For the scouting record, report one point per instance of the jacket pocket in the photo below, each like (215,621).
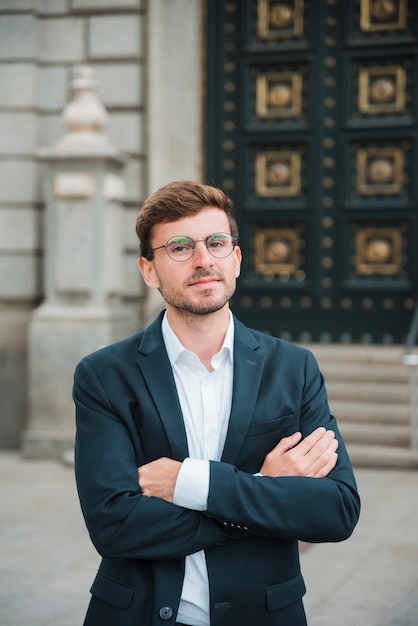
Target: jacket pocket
(274,425)
(113,591)
(283,594)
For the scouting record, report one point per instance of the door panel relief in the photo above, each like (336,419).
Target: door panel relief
(315,137)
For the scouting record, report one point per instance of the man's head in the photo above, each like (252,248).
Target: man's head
(188,247)
(174,201)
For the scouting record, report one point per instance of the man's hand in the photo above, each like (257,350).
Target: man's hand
(314,456)
(158,478)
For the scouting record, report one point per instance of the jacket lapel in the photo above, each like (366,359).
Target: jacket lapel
(248,369)
(158,376)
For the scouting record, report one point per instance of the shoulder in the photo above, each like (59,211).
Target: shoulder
(280,357)
(123,350)
(130,348)
(267,343)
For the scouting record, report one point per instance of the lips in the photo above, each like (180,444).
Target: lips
(204,280)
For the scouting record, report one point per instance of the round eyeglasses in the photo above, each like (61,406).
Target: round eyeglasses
(181,248)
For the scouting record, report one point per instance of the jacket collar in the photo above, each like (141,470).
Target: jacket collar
(248,369)
(155,367)
(156,370)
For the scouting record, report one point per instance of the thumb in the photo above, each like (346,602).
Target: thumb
(287,443)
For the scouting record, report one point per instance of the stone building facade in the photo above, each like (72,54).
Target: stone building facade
(297,109)
(150,84)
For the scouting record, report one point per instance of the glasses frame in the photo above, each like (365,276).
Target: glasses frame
(232,239)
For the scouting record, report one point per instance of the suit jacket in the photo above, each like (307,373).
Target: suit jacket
(128,414)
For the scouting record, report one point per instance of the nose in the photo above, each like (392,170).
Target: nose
(201,256)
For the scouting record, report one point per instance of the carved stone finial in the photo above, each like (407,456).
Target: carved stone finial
(84,117)
(85,113)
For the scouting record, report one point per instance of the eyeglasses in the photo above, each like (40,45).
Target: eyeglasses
(181,248)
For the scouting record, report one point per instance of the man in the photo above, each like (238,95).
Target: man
(228,431)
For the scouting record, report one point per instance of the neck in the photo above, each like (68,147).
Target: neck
(201,334)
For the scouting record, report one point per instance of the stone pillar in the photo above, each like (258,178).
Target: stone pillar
(83,307)
(175,112)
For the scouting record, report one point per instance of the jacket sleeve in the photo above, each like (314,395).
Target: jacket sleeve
(309,509)
(122,523)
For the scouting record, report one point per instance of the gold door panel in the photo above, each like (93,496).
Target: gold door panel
(315,137)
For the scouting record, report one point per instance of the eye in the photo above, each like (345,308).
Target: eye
(217,241)
(179,246)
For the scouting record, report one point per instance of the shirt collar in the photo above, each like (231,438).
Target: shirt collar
(175,348)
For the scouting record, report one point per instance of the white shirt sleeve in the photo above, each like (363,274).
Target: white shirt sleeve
(192,485)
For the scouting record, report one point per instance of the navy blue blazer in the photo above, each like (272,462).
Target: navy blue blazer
(128,413)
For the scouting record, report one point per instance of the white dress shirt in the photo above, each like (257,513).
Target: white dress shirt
(205,400)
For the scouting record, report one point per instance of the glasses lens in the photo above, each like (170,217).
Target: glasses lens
(220,245)
(180,248)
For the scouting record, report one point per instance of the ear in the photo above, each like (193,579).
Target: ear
(149,275)
(238,259)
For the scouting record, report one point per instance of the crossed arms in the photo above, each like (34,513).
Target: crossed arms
(293,499)
(315,456)
(304,492)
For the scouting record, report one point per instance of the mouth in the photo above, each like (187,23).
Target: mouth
(204,281)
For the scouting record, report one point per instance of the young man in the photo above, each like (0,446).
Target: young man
(228,431)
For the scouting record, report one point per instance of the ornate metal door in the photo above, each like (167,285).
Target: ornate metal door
(312,128)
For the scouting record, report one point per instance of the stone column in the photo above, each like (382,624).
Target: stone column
(175,105)
(83,307)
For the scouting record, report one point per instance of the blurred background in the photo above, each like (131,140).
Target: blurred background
(305,113)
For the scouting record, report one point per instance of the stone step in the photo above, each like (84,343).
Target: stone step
(365,391)
(373,372)
(357,353)
(367,412)
(368,391)
(382,456)
(372,434)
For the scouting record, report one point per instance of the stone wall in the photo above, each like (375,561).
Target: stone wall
(40,43)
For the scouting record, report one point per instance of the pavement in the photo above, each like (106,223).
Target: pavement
(47,563)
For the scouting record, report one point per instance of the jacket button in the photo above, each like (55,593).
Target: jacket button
(166,612)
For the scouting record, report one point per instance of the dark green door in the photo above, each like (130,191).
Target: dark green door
(312,129)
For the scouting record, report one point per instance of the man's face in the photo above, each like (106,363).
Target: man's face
(203,284)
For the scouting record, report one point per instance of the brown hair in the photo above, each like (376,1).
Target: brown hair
(176,200)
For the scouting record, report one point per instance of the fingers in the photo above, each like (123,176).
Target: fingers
(314,456)
(313,439)
(277,461)
(325,469)
(322,457)
(287,443)
(158,478)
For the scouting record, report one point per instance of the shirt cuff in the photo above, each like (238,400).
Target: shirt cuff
(192,485)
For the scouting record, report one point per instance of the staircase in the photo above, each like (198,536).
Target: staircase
(368,392)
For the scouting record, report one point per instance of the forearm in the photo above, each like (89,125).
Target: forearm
(122,522)
(137,527)
(297,507)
